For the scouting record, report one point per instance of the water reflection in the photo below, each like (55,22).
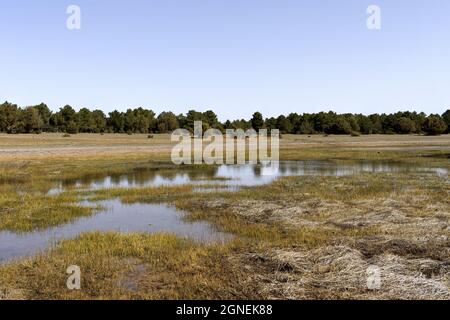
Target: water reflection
(159,217)
(147,218)
(241,175)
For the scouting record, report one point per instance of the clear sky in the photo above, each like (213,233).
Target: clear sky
(232,56)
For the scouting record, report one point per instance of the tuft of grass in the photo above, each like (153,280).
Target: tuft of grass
(27,212)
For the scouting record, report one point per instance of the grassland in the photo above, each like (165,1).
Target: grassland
(299,237)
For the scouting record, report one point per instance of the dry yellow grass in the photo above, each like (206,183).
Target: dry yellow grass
(315,237)
(118,266)
(300,237)
(88,146)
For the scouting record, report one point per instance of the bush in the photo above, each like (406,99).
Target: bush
(446,118)
(434,125)
(340,126)
(150,136)
(306,128)
(66,135)
(72,128)
(405,125)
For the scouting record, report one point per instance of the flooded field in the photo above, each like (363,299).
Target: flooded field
(235,176)
(153,218)
(306,228)
(116,216)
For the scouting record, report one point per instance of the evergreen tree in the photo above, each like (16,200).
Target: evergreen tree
(257,121)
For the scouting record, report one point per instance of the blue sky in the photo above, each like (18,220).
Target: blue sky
(233,56)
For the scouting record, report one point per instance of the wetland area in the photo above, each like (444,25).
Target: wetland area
(307,227)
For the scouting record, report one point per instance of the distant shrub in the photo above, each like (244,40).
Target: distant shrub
(341,126)
(446,118)
(72,128)
(66,135)
(150,136)
(355,134)
(405,125)
(434,125)
(306,128)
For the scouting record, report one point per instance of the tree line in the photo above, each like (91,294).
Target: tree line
(39,118)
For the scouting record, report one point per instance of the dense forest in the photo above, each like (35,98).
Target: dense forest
(39,118)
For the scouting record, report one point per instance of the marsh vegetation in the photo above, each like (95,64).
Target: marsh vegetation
(337,206)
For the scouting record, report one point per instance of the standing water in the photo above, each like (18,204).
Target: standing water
(247,175)
(151,218)
(144,218)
